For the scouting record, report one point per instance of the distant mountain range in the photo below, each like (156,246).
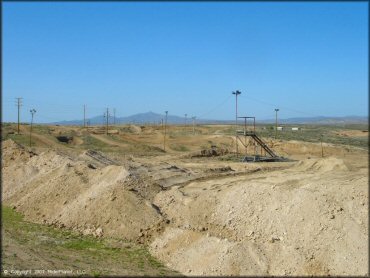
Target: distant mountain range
(141,118)
(322,120)
(154,118)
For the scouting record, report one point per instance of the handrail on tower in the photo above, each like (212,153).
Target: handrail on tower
(252,133)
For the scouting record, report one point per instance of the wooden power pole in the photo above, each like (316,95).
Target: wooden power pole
(322,149)
(84,115)
(114,116)
(193,124)
(19,104)
(107,121)
(165,127)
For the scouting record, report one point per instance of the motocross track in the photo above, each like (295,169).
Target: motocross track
(205,216)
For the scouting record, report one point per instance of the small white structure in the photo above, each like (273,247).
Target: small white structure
(280,128)
(296,128)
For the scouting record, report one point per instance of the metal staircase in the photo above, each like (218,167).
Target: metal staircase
(251,132)
(258,140)
(263,145)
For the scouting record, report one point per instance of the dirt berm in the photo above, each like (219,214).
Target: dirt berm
(308,217)
(53,189)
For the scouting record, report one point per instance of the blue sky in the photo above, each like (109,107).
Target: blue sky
(308,59)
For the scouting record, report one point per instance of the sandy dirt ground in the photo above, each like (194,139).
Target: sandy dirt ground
(353,133)
(205,216)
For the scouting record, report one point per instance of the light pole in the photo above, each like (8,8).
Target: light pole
(276,123)
(236,93)
(33,111)
(165,130)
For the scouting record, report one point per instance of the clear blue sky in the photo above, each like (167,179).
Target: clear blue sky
(308,59)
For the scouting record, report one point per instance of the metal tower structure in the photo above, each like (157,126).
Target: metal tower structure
(248,137)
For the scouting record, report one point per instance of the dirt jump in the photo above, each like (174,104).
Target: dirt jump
(201,215)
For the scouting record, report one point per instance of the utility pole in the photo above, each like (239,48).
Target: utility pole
(276,123)
(107,121)
(236,93)
(84,115)
(33,111)
(193,124)
(186,120)
(322,149)
(165,127)
(19,104)
(114,116)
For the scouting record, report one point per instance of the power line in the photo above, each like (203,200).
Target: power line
(41,116)
(61,111)
(216,107)
(284,107)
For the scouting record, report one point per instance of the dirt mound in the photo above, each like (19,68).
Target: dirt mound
(352,133)
(53,189)
(113,131)
(194,253)
(292,147)
(213,151)
(13,152)
(132,129)
(322,164)
(204,217)
(285,222)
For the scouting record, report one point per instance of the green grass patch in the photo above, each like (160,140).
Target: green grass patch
(22,139)
(41,129)
(179,148)
(66,249)
(84,243)
(9,215)
(92,143)
(316,133)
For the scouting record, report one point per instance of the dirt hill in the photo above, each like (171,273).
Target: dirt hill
(206,216)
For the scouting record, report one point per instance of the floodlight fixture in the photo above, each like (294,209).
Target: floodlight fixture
(236,93)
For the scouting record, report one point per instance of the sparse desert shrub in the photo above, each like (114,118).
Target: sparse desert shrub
(179,148)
